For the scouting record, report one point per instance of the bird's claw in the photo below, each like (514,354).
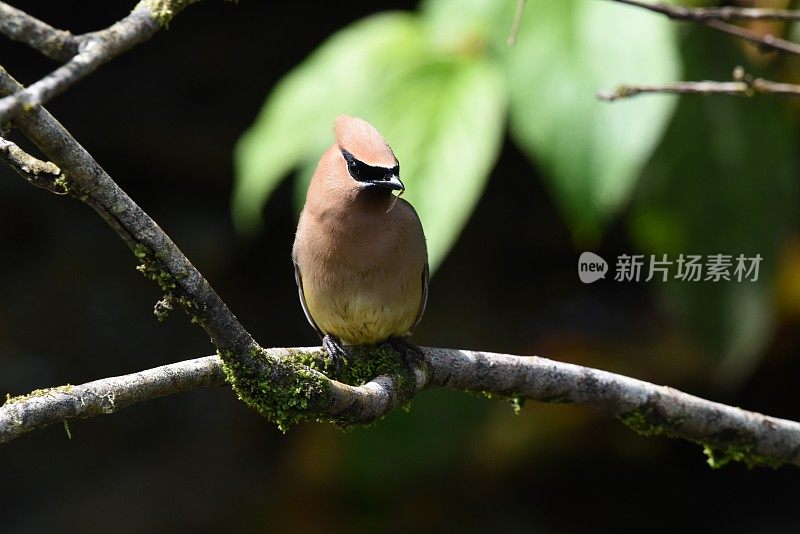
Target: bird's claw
(336,351)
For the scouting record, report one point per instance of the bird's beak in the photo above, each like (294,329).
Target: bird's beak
(393,183)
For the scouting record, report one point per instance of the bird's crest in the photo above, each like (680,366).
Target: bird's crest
(363,141)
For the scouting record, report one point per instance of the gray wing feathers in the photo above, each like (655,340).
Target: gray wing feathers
(424,300)
(299,281)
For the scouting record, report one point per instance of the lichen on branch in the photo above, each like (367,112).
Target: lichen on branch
(298,385)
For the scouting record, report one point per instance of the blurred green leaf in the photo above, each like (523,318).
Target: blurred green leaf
(462,26)
(592,152)
(440,106)
(298,115)
(447,158)
(444,121)
(724,181)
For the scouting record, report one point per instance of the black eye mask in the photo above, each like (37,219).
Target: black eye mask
(365,173)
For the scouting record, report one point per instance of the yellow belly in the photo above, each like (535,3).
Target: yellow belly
(365,318)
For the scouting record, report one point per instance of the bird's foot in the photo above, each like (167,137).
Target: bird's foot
(336,351)
(411,353)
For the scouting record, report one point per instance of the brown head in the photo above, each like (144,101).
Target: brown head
(360,162)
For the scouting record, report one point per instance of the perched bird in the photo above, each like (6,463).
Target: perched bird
(360,260)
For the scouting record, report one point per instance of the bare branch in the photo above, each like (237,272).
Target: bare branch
(648,408)
(764,42)
(700,14)
(706,17)
(683,88)
(94,49)
(54,43)
(40,173)
(744,85)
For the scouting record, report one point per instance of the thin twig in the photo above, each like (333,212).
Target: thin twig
(717,13)
(743,86)
(515,24)
(94,50)
(718,23)
(764,42)
(40,173)
(649,408)
(54,43)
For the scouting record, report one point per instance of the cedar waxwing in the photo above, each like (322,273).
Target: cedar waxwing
(360,260)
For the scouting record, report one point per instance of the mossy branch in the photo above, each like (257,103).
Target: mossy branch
(101,397)
(290,386)
(293,385)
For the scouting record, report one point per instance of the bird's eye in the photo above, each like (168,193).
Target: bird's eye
(364,173)
(352,166)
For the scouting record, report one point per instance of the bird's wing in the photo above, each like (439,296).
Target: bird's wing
(299,280)
(424,300)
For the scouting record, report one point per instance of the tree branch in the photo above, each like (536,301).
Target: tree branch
(287,384)
(54,43)
(715,18)
(162,259)
(743,85)
(46,406)
(93,49)
(648,408)
(250,368)
(700,14)
(40,173)
(757,87)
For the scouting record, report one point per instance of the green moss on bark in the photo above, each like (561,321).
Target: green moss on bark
(296,387)
(737,450)
(284,391)
(153,268)
(38,393)
(163,10)
(649,421)
(723,448)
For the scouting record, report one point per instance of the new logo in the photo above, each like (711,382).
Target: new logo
(591,267)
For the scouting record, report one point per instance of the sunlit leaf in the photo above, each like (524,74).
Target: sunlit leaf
(448,157)
(592,152)
(465,26)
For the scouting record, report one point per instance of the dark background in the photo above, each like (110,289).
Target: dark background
(162,120)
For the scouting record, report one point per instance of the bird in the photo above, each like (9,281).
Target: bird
(360,256)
